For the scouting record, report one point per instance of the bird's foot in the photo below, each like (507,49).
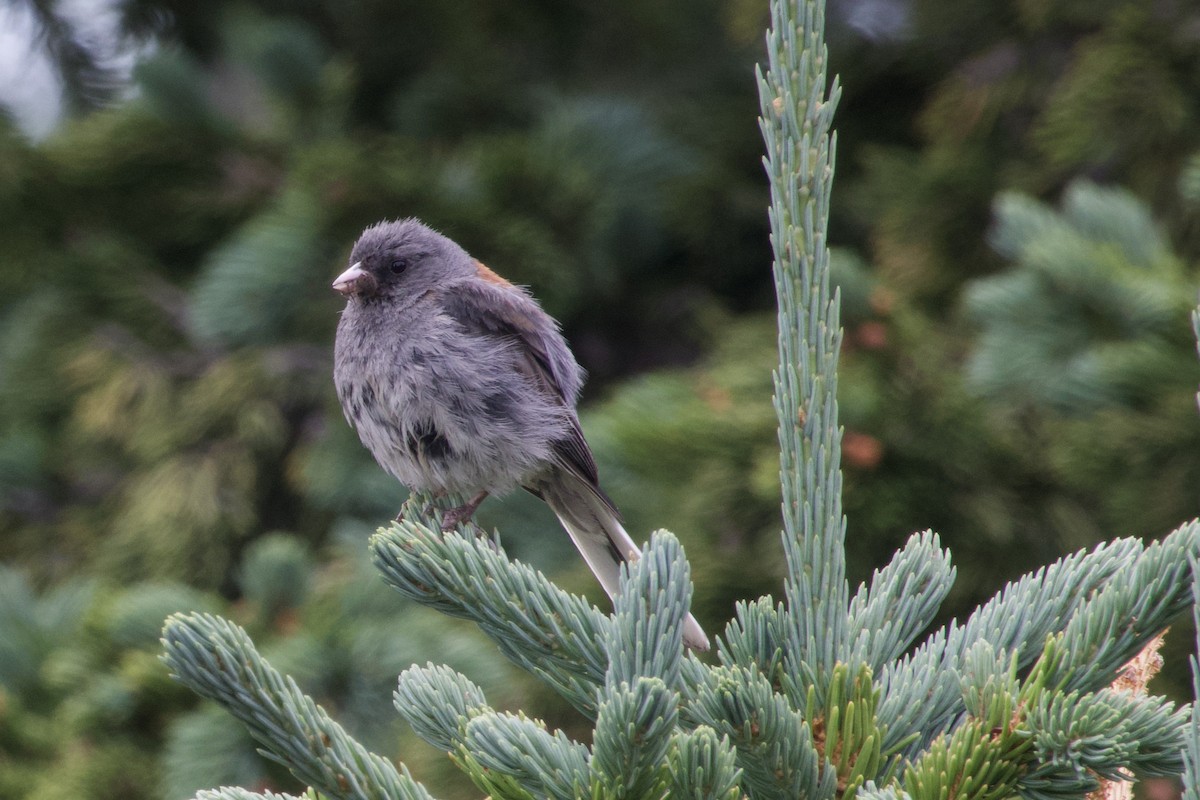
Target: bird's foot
(459,514)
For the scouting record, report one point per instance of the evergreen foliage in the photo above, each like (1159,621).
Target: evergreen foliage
(169,441)
(1191,753)
(1014,700)
(1091,315)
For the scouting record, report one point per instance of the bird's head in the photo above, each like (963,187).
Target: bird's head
(400,258)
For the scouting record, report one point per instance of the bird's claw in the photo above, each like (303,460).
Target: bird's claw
(454,517)
(460,514)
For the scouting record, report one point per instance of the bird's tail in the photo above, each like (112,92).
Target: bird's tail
(601,539)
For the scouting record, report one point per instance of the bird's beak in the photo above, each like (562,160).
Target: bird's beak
(348,282)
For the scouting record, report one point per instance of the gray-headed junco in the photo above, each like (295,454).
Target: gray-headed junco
(458,382)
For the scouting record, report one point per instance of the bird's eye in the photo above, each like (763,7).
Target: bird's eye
(398,266)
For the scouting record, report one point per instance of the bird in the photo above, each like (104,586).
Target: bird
(458,382)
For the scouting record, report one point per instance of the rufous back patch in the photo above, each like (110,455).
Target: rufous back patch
(490,276)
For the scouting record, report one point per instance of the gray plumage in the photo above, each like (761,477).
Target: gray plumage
(458,382)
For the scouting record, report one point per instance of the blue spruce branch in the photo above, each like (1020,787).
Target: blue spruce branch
(553,634)
(638,715)
(238,793)
(438,703)
(797,105)
(217,660)
(1191,752)
(703,767)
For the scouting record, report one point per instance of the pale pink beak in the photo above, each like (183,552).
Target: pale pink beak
(348,281)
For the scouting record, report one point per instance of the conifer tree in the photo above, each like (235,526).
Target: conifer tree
(822,694)
(1191,756)
(1090,315)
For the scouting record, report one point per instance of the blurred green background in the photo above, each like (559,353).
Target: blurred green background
(1015,217)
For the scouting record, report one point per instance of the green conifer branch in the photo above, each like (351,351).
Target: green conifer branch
(902,600)
(636,721)
(1191,753)
(988,682)
(796,121)
(246,290)
(852,738)
(1045,739)
(1087,316)
(636,718)
(238,793)
(921,693)
(703,766)
(1106,632)
(754,638)
(217,660)
(776,749)
(638,714)
(511,755)
(634,731)
(972,762)
(1114,734)
(438,703)
(983,756)
(646,640)
(555,635)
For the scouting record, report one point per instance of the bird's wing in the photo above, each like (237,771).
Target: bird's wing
(494,307)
